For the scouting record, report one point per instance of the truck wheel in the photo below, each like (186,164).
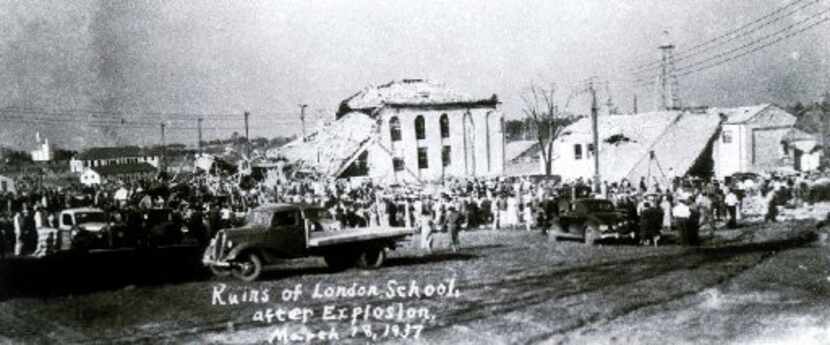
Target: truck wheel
(220,272)
(591,234)
(248,268)
(371,258)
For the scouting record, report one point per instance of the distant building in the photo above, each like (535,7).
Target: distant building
(97,175)
(43,151)
(90,177)
(408,130)
(98,157)
(7,185)
(802,149)
(666,144)
(751,139)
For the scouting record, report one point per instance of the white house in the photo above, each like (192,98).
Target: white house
(90,177)
(105,156)
(408,130)
(751,139)
(7,185)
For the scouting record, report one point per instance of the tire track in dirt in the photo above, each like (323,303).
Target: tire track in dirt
(513,294)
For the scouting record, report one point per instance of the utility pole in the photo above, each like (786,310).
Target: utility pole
(163,148)
(199,128)
(302,118)
(247,138)
(594,113)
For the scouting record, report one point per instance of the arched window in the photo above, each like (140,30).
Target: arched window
(395,128)
(445,126)
(420,128)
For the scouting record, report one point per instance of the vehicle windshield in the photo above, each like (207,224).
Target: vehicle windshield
(599,205)
(90,217)
(318,215)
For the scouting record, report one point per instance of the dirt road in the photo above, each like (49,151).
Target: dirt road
(513,288)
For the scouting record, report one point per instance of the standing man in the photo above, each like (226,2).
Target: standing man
(453,221)
(18,233)
(731,201)
(29,232)
(706,208)
(772,210)
(3,238)
(651,219)
(682,213)
(422,210)
(195,223)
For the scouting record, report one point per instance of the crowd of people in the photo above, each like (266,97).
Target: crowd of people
(206,203)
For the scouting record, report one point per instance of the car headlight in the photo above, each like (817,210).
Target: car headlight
(603,227)
(229,244)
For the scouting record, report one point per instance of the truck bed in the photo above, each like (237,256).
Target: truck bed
(350,235)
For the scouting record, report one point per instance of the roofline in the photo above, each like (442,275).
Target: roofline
(749,119)
(492,103)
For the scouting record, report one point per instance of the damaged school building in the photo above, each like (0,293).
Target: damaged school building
(703,142)
(411,130)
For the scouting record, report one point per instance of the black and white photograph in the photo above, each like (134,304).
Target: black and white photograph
(463,172)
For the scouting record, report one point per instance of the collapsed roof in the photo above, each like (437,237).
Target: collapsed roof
(333,148)
(626,142)
(515,149)
(409,93)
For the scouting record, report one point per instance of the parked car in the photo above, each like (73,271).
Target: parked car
(590,220)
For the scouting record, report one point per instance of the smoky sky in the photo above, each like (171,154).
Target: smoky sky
(126,59)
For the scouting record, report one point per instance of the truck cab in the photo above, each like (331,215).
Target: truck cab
(88,227)
(287,231)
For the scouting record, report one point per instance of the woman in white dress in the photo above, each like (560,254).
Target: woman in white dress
(511,218)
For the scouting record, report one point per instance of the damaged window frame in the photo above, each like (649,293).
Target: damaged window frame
(398,164)
(444,120)
(395,129)
(423,158)
(577,152)
(420,128)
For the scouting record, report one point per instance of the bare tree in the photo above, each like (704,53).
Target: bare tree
(540,107)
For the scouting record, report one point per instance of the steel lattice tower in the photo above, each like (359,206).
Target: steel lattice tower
(669,94)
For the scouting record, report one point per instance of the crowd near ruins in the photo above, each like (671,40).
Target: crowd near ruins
(416,154)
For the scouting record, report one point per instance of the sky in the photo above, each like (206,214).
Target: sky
(267,57)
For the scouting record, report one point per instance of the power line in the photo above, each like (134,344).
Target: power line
(688,53)
(757,48)
(181,115)
(749,45)
(77,117)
